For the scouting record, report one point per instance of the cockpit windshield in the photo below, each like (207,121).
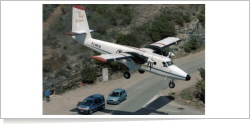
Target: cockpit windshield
(169,63)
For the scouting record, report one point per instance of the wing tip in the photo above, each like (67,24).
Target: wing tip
(78,7)
(99,58)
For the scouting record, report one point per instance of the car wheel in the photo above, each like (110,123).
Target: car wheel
(118,102)
(103,107)
(90,111)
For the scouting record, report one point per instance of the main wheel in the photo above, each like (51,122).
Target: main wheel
(141,71)
(103,107)
(127,75)
(171,85)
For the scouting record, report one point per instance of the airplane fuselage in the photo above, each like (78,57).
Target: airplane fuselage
(156,67)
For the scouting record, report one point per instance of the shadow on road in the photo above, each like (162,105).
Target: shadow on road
(146,110)
(74,110)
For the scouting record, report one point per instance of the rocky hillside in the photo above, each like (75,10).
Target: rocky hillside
(65,61)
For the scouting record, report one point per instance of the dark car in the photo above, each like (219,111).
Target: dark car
(91,104)
(117,96)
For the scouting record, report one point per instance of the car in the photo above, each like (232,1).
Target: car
(117,96)
(91,104)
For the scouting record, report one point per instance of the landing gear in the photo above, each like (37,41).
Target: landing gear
(127,75)
(171,84)
(141,71)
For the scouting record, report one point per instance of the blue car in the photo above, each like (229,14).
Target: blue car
(91,104)
(117,96)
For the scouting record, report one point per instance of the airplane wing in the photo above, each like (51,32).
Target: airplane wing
(166,42)
(112,57)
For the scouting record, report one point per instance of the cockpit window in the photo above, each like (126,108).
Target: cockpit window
(169,63)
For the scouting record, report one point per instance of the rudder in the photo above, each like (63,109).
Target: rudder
(80,27)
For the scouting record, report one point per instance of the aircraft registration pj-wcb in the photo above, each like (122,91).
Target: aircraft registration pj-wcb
(150,58)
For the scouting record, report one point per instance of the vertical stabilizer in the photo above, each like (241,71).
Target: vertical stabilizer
(80,27)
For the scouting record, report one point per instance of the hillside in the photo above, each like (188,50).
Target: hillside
(65,61)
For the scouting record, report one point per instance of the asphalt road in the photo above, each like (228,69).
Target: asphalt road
(145,98)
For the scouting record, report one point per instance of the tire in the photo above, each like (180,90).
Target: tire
(118,102)
(141,71)
(127,75)
(103,107)
(90,112)
(171,85)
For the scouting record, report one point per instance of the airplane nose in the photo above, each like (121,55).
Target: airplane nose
(188,77)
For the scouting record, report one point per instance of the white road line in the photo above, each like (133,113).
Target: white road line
(111,112)
(151,100)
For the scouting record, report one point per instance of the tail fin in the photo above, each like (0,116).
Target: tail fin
(80,27)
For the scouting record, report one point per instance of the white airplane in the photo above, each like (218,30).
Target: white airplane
(150,58)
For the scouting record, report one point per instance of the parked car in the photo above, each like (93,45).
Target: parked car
(117,96)
(91,104)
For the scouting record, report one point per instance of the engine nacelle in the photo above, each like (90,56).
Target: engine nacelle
(137,58)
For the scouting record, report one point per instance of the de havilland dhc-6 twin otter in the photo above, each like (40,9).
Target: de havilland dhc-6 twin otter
(150,58)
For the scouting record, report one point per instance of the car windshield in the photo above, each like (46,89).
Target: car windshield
(87,102)
(170,63)
(114,94)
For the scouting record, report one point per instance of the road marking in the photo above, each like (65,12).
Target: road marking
(111,112)
(151,100)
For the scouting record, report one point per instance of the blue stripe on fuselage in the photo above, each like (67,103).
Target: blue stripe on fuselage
(168,72)
(97,48)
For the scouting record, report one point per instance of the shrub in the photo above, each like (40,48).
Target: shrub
(63,72)
(64,9)
(88,74)
(128,39)
(201,17)
(202,73)
(191,45)
(47,66)
(161,29)
(201,85)
(47,10)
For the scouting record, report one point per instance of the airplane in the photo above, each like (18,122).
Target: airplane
(151,58)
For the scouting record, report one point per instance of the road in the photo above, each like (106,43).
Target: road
(145,98)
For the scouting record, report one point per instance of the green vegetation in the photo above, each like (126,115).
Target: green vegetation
(201,85)
(198,91)
(88,74)
(191,45)
(128,39)
(161,29)
(47,66)
(63,72)
(187,95)
(54,63)
(201,17)
(48,9)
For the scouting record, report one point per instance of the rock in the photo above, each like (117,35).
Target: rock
(188,101)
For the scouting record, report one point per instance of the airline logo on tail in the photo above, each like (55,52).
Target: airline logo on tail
(81,16)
